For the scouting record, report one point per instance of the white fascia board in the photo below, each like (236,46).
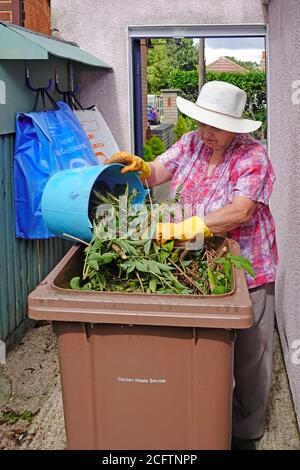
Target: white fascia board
(159,31)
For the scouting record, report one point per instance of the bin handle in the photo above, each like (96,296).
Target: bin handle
(86,329)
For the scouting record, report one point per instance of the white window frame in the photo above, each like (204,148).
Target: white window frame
(190,31)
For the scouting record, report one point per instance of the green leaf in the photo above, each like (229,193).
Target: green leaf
(152,285)
(93,264)
(127,247)
(131,267)
(219,290)
(220,260)
(176,283)
(175,255)
(155,248)
(132,284)
(163,256)
(186,263)
(211,279)
(141,266)
(249,270)
(242,263)
(147,247)
(228,271)
(154,267)
(108,257)
(95,257)
(75,283)
(165,267)
(87,286)
(166,291)
(136,242)
(168,246)
(97,243)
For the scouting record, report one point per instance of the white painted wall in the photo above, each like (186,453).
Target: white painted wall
(100,27)
(284,109)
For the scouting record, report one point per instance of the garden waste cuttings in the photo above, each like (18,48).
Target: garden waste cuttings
(123,257)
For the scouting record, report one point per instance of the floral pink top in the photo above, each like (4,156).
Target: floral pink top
(245,170)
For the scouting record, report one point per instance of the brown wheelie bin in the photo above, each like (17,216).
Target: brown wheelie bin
(143,371)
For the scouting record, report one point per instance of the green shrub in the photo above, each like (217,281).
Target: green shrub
(147,153)
(180,127)
(157,145)
(252,82)
(192,125)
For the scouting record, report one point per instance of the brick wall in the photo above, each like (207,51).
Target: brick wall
(32,14)
(170,110)
(6,8)
(144,87)
(166,133)
(36,15)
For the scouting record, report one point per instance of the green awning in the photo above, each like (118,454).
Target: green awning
(20,43)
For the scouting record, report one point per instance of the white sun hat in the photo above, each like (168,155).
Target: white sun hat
(220,105)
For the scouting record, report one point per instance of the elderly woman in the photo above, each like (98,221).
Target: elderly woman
(226,173)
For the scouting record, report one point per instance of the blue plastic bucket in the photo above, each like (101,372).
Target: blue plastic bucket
(66,197)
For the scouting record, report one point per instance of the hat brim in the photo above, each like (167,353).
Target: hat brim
(218,120)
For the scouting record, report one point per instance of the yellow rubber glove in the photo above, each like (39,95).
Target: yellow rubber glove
(132,162)
(186,230)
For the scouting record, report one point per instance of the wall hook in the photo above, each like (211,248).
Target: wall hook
(27,78)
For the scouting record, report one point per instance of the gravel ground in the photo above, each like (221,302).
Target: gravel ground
(31,413)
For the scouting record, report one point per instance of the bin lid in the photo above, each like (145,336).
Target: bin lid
(49,301)
(21,43)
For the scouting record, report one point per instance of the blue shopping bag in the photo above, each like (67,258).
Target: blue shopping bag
(46,142)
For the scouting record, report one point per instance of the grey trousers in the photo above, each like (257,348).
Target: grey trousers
(253,354)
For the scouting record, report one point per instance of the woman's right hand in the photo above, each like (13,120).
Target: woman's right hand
(131,162)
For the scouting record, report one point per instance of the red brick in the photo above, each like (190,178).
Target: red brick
(5,6)
(5,15)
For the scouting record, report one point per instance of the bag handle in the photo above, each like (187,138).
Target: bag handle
(40,92)
(43,93)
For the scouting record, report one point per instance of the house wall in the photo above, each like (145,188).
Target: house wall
(10,11)
(284,109)
(101,28)
(32,14)
(36,15)
(6,10)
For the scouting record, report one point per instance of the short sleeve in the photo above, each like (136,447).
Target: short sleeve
(170,158)
(255,176)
